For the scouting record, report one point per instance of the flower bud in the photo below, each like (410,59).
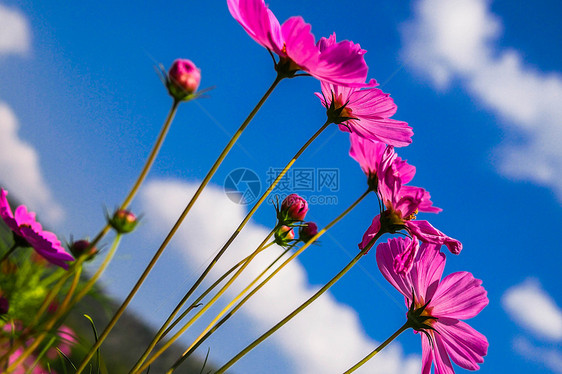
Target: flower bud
(81,248)
(307,231)
(183,79)
(123,221)
(4,305)
(293,208)
(284,235)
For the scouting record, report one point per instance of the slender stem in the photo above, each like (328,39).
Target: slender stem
(302,306)
(165,331)
(91,282)
(10,251)
(379,348)
(207,291)
(145,169)
(153,154)
(206,307)
(212,328)
(176,226)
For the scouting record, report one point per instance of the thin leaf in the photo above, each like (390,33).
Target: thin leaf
(96,340)
(61,353)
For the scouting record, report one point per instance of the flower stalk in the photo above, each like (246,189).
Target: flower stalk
(326,287)
(176,226)
(404,327)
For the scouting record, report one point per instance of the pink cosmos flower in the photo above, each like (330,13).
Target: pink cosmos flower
(402,204)
(437,306)
(24,225)
(340,63)
(375,158)
(365,112)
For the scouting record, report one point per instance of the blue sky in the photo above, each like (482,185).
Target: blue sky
(480,83)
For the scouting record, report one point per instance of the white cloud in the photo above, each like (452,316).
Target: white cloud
(20,171)
(15,36)
(551,358)
(327,337)
(457,39)
(530,306)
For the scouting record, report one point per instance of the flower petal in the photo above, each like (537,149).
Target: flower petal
(299,43)
(386,253)
(429,234)
(466,346)
(460,296)
(440,357)
(258,21)
(6,212)
(427,271)
(371,232)
(341,63)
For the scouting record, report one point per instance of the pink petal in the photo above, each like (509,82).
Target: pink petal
(388,131)
(342,64)
(427,271)
(466,346)
(299,43)
(386,253)
(52,251)
(367,153)
(258,21)
(23,217)
(371,232)
(460,296)
(6,212)
(440,357)
(404,261)
(429,234)
(427,355)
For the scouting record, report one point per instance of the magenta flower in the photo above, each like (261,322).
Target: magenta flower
(365,112)
(293,208)
(437,306)
(25,227)
(340,63)
(375,157)
(402,204)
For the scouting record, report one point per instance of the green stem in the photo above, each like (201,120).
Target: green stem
(206,307)
(176,226)
(165,331)
(301,307)
(379,348)
(145,169)
(210,328)
(10,251)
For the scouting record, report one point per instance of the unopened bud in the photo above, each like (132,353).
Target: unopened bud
(81,248)
(293,208)
(307,231)
(123,221)
(183,79)
(284,235)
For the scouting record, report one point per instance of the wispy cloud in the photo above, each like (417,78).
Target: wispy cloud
(20,171)
(15,35)
(531,307)
(551,358)
(327,337)
(458,40)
